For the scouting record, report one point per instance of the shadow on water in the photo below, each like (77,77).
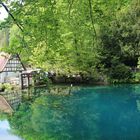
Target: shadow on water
(80,113)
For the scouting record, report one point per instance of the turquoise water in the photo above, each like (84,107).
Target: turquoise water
(80,113)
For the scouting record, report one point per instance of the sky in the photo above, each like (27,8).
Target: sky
(5,131)
(3,13)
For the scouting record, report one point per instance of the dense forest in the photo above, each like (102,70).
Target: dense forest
(94,38)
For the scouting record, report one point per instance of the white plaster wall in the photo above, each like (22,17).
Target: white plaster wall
(5,76)
(2,77)
(13,74)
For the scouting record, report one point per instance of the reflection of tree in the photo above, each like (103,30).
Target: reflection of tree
(63,90)
(3,116)
(56,118)
(98,113)
(50,117)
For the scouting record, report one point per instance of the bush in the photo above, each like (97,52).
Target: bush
(6,87)
(120,74)
(137,77)
(40,78)
(2,88)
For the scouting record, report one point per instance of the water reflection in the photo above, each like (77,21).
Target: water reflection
(87,113)
(5,131)
(50,119)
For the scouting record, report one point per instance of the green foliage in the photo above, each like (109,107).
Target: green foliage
(75,36)
(120,74)
(120,42)
(3,116)
(6,87)
(2,88)
(4,37)
(41,78)
(137,77)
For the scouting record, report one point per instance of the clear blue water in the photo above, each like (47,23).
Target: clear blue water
(88,113)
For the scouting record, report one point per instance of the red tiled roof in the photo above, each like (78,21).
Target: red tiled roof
(4,57)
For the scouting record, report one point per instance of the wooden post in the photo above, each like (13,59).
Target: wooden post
(28,80)
(22,86)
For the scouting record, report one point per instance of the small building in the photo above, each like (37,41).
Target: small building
(11,68)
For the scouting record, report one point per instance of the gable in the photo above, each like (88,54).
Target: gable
(11,63)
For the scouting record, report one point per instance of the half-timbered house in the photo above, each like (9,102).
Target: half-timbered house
(10,68)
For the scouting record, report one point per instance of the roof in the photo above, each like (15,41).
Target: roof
(4,57)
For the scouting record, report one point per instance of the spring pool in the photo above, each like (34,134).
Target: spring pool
(78,113)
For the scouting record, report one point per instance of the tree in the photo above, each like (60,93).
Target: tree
(120,40)
(67,36)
